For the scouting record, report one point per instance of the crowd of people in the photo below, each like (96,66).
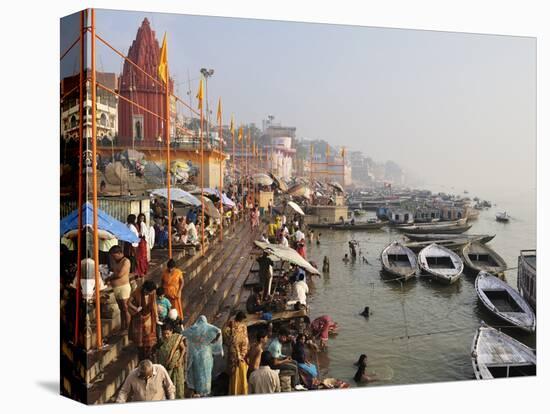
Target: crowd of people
(177,362)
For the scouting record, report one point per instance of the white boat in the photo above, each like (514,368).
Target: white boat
(503,217)
(503,301)
(441,263)
(497,355)
(399,261)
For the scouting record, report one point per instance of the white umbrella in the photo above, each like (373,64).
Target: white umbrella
(179,195)
(262,179)
(288,255)
(210,208)
(337,186)
(295,207)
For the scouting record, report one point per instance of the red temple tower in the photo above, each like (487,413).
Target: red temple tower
(136,126)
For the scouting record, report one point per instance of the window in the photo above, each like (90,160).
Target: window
(103,120)
(73,121)
(137,127)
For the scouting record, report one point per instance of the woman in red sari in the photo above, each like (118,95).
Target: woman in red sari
(301,248)
(142,265)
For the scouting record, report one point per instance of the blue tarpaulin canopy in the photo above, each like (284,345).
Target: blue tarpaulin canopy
(105,222)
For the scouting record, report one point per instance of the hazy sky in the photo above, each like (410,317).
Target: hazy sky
(451,108)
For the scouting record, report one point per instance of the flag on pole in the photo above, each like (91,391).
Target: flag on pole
(200,94)
(327,153)
(240,133)
(232,125)
(163,61)
(219,116)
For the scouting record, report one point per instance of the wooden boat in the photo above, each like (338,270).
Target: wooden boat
(497,355)
(349,226)
(503,217)
(503,301)
(456,245)
(482,238)
(527,276)
(399,261)
(441,263)
(479,257)
(439,228)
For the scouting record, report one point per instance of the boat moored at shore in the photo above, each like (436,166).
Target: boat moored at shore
(497,355)
(399,261)
(441,263)
(504,302)
(480,257)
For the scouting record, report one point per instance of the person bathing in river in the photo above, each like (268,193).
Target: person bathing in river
(318,238)
(361,376)
(326,264)
(321,327)
(345,259)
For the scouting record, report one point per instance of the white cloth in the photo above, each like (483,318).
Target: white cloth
(87,281)
(135,231)
(264,380)
(192,235)
(284,242)
(299,235)
(300,290)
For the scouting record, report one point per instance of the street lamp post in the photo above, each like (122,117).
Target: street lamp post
(207,73)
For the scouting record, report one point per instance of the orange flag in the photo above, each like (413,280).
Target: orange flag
(219,116)
(200,94)
(163,61)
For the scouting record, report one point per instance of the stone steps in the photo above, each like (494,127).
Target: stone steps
(199,285)
(228,304)
(199,297)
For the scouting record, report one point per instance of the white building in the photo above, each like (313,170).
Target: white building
(106,108)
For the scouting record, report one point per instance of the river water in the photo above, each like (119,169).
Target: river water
(420,331)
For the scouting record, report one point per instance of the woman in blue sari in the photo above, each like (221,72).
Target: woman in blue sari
(203,341)
(308,371)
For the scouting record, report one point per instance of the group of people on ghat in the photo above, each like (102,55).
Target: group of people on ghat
(179,362)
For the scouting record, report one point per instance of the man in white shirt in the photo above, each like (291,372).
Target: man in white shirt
(300,289)
(299,235)
(148,382)
(264,380)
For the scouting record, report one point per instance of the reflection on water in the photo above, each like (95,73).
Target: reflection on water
(419,331)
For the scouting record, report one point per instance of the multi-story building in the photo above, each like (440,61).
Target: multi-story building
(106,108)
(281,152)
